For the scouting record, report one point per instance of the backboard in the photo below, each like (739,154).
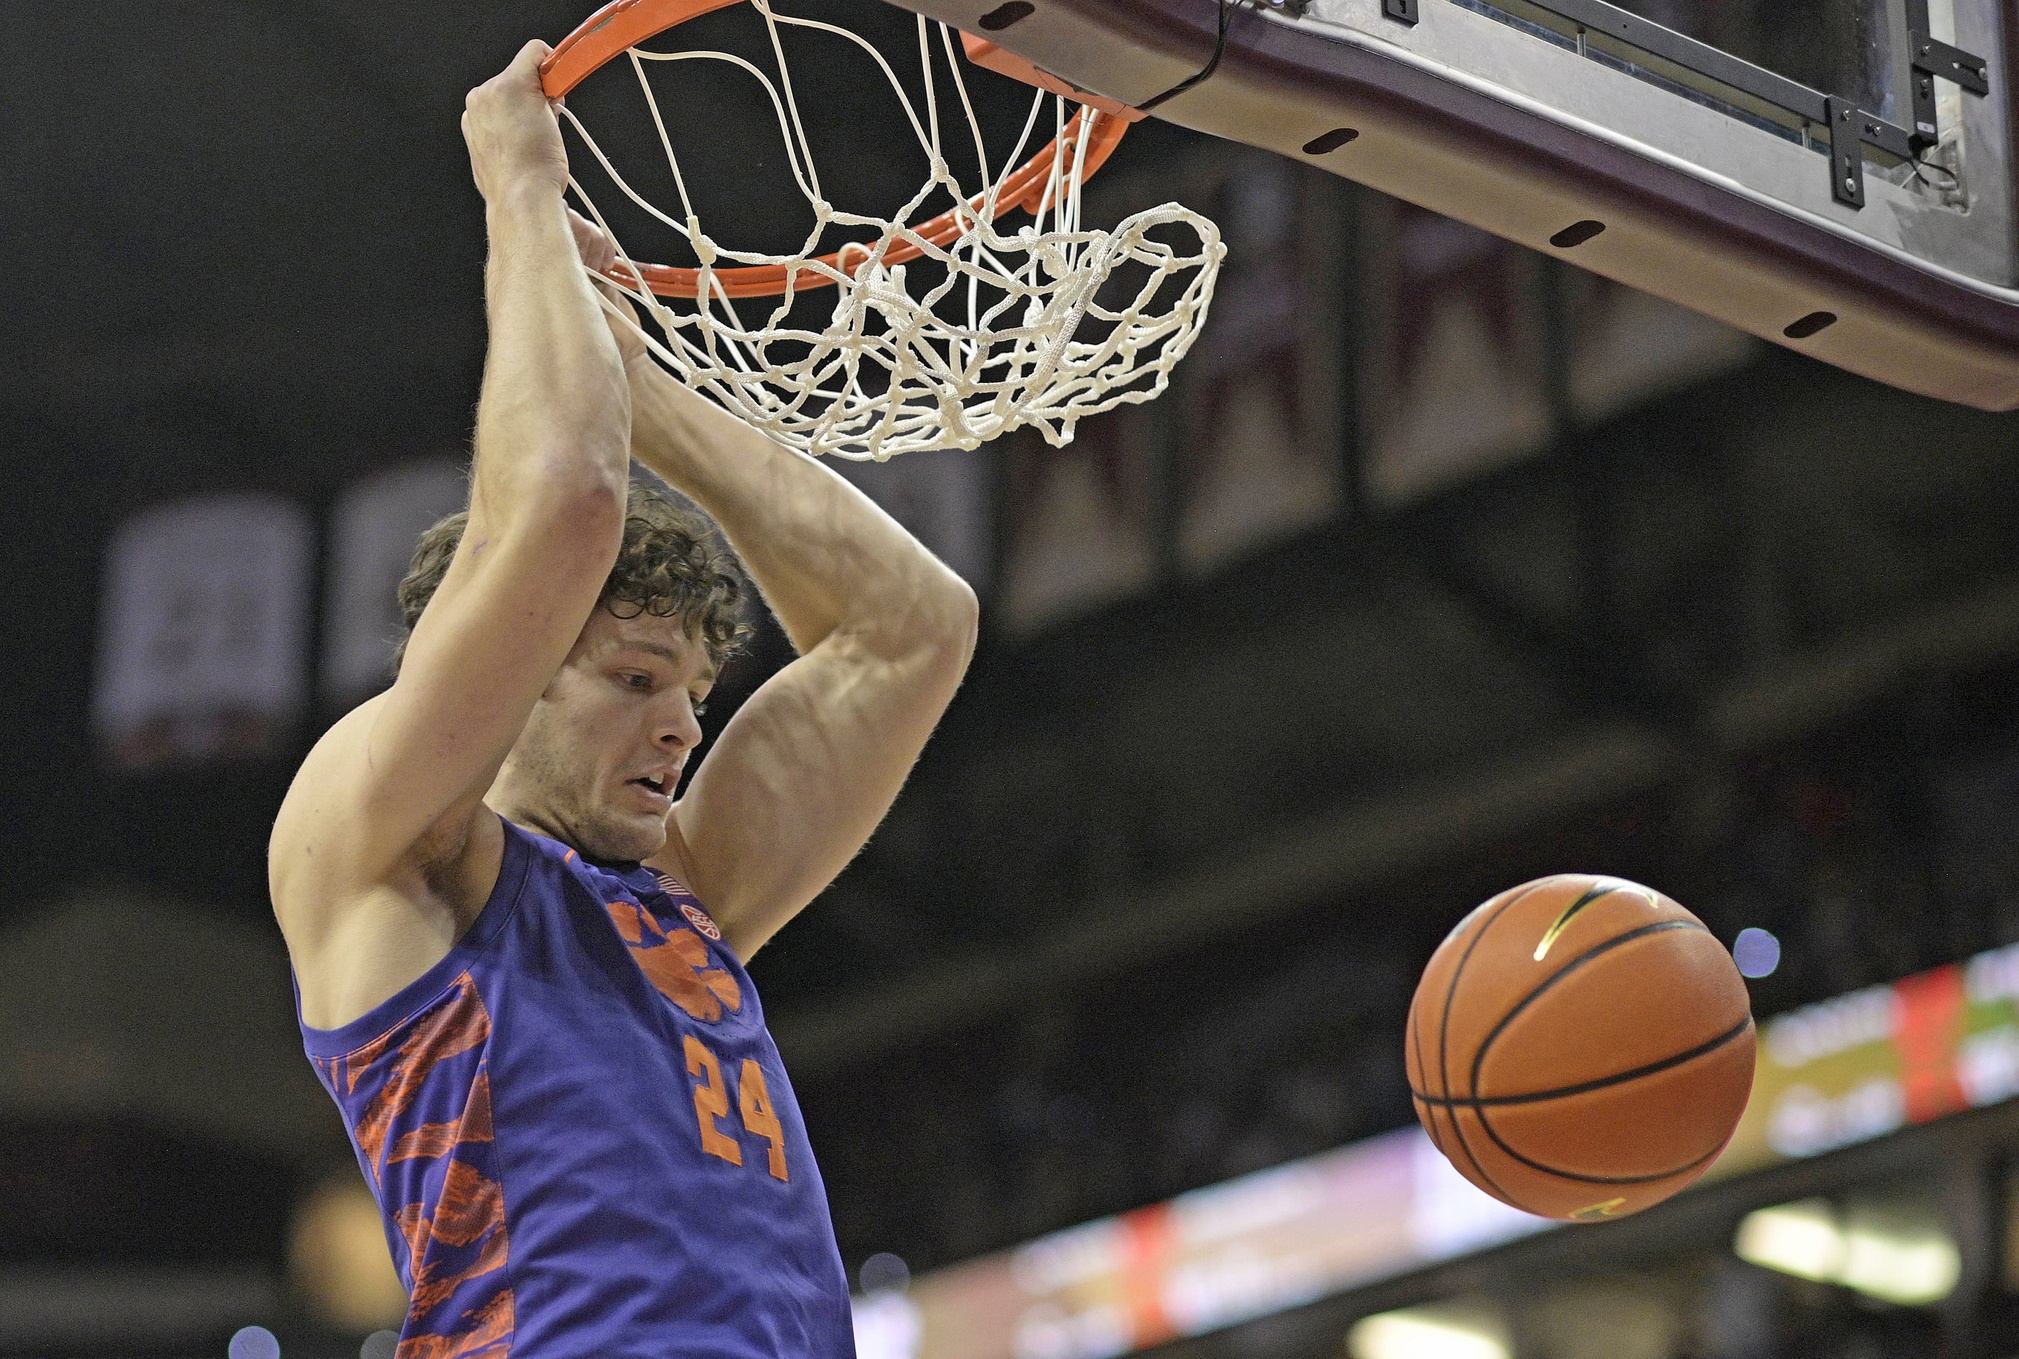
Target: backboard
(1833,175)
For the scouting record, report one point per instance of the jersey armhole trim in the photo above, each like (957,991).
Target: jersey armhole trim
(420,995)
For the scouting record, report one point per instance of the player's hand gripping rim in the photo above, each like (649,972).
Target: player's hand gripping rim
(512,131)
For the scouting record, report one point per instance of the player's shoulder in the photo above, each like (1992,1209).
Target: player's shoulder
(362,916)
(324,847)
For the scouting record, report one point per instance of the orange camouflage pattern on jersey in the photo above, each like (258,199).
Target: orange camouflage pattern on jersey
(430,1078)
(677,963)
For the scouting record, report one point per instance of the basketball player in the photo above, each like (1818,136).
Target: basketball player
(519,957)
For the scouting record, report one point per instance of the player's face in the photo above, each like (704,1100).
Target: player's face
(601,755)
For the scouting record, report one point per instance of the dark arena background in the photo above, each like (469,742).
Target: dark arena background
(1442,566)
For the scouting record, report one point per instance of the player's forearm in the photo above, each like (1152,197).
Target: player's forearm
(824,555)
(554,415)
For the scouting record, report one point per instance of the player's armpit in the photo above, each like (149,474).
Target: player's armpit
(808,767)
(406,772)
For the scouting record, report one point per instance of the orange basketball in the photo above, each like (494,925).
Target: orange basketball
(1580,1047)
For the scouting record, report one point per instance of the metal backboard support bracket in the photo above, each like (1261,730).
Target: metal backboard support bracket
(1932,58)
(1850,127)
(1847,153)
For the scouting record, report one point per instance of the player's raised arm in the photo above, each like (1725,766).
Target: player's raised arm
(373,858)
(810,764)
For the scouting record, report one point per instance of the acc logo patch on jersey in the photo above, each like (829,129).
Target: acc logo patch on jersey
(696,917)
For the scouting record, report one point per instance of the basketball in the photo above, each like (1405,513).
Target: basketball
(1580,1047)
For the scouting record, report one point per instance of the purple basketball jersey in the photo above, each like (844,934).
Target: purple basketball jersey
(581,1136)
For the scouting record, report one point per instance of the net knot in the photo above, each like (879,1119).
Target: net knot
(703,247)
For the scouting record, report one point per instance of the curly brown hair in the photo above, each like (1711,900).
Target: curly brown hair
(671,565)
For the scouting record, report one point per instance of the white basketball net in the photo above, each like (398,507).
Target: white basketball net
(989,342)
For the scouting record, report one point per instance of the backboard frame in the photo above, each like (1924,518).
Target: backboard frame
(1462,113)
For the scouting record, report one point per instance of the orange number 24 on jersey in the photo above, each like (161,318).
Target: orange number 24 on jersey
(711,1101)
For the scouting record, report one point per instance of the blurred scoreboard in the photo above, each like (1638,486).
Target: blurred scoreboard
(1859,1066)
(1207,1259)
(1829,1075)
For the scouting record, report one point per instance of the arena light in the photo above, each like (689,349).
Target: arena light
(1426,1333)
(253,1342)
(1756,952)
(884,1273)
(1796,1238)
(339,1259)
(1912,1266)
(1898,1260)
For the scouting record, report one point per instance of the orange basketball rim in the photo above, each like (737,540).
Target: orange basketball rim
(623,24)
